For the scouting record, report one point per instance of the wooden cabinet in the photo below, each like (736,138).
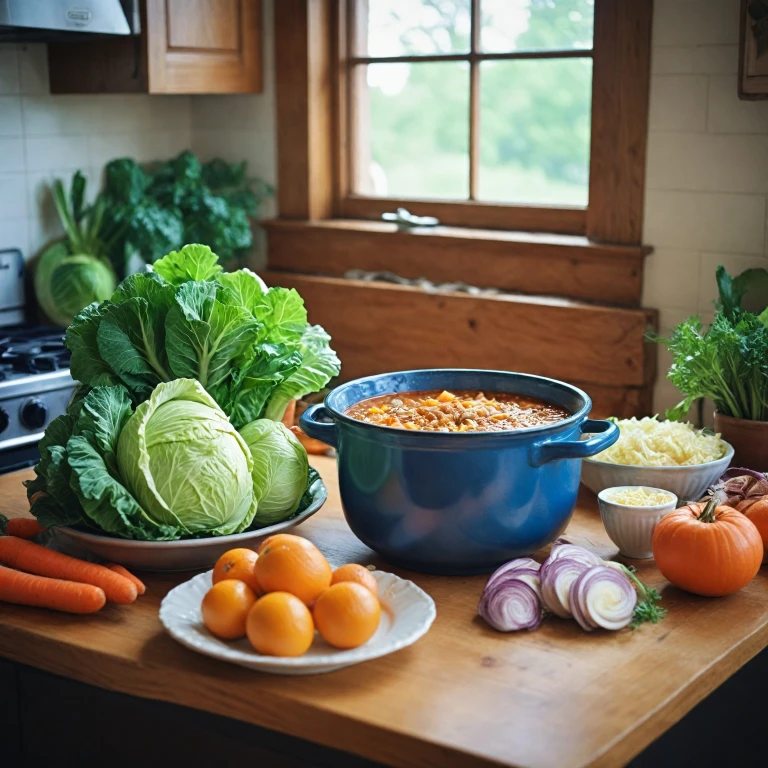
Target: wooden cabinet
(185,46)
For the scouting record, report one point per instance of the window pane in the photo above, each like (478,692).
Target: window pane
(536,25)
(412,130)
(534,131)
(414,27)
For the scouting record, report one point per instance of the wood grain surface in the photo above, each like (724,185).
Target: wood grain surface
(463,695)
(384,327)
(550,265)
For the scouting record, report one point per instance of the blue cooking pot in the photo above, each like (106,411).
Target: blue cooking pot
(456,503)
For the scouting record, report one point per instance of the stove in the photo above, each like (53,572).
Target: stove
(35,383)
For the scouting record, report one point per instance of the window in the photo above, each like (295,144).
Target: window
(459,100)
(526,116)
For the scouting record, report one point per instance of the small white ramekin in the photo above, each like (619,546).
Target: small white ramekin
(631,528)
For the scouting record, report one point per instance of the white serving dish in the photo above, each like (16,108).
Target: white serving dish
(631,528)
(688,483)
(407,613)
(185,554)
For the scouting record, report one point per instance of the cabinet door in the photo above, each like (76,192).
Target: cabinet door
(204,46)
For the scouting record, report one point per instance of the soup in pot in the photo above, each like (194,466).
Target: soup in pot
(462,411)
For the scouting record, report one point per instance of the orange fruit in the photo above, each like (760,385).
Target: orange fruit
(347,614)
(237,564)
(225,608)
(292,564)
(279,624)
(356,573)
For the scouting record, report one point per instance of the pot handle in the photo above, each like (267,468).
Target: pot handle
(552,450)
(322,431)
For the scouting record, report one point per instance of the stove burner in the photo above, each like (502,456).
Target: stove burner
(32,350)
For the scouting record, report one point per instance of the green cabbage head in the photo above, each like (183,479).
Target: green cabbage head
(280,469)
(185,463)
(65,283)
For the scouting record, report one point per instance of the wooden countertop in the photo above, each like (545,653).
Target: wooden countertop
(463,695)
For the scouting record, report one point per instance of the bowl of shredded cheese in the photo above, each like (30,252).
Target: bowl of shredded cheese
(669,455)
(630,514)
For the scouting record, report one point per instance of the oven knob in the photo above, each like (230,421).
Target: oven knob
(34,414)
(5,420)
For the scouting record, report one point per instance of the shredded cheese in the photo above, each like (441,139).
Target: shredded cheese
(639,497)
(649,442)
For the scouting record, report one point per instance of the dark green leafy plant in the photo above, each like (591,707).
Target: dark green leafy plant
(160,208)
(727,362)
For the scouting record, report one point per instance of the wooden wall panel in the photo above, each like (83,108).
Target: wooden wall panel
(304,84)
(380,327)
(620,88)
(551,265)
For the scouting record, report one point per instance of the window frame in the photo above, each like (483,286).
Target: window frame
(462,213)
(310,38)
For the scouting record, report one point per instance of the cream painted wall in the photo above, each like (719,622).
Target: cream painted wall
(44,136)
(707,168)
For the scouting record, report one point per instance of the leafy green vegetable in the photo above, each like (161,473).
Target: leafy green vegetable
(185,463)
(319,365)
(160,208)
(648,597)
(249,346)
(727,362)
(170,367)
(75,271)
(280,469)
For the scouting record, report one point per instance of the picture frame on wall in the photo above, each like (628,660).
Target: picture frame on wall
(753,50)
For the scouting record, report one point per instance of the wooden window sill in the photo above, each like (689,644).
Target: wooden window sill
(568,266)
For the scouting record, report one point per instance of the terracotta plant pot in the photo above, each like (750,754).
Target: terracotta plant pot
(748,438)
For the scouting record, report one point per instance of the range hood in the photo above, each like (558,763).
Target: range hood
(54,20)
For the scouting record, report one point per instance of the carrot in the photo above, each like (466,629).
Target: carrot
(26,589)
(140,586)
(23,527)
(28,556)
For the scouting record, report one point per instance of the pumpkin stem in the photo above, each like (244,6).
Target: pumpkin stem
(708,515)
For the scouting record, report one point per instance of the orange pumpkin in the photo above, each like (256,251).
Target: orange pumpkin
(707,549)
(757,511)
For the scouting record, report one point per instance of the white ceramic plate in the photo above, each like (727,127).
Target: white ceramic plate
(407,613)
(185,554)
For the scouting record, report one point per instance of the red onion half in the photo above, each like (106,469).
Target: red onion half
(603,597)
(510,604)
(556,579)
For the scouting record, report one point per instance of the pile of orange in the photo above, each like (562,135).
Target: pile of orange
(280,594)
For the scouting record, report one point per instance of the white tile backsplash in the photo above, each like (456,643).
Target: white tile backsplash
(9,69)
(10,116)
(12,155)
(706,185)
(678,103)
(43,137)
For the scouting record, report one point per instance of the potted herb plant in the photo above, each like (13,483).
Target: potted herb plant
(728,363)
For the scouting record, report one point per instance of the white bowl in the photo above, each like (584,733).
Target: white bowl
(185,554)
(688,483)
(631,528)
(407,613)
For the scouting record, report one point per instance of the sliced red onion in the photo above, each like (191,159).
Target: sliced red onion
(513,565)
(556,579)
(510,605)
(603,597)
(572,552)
(527,575)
